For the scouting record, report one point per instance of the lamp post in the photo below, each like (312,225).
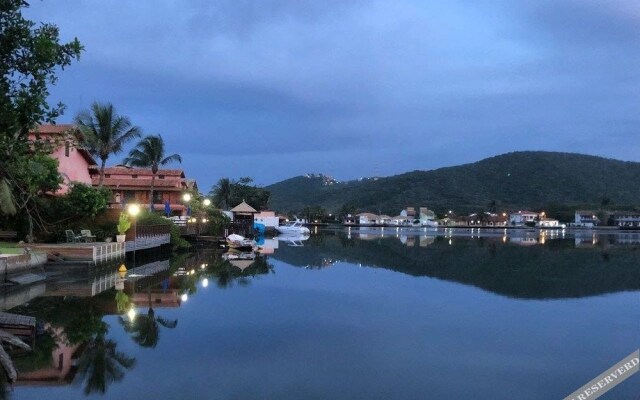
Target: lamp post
(133,210)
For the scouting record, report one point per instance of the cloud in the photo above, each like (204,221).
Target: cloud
(335,84)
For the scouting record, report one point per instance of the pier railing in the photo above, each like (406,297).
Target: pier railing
(147,236)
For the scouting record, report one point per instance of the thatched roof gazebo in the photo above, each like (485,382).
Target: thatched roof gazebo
(242,219)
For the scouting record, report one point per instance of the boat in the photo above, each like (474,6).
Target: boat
(240,242)
(293,228)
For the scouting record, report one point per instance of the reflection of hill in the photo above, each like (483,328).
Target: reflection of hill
(556,270)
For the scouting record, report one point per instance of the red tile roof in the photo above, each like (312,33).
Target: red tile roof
(53,129)
(122,170)
(138,183)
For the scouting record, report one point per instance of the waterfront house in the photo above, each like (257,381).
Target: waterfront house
(548,223)
(586,218)
(367,219)
(626,219)
(400,220)
(496,219)
(426,216)
(522,217)
(384,219)
(132,185)
(409,212)
(74,162)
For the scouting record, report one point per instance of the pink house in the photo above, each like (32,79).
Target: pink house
(73,161)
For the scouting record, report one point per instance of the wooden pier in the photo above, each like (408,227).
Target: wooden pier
(93,252)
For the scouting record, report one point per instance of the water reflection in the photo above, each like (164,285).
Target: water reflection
(525,265)
(75,344)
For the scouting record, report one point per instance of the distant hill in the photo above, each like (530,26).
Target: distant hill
(531,179)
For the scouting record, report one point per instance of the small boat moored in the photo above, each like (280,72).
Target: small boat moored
(240,242)
(293,228)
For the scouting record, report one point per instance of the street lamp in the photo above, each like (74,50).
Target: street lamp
(133,210)
(186,197)
(206,202)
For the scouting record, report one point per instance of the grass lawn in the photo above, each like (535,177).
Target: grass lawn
(10,248)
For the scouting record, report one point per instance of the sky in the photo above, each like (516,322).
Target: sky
(272,89)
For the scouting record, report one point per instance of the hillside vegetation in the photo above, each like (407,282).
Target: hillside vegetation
(509,181)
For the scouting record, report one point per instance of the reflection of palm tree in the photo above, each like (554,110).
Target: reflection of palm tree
(101,364)
(145,329)
(5,359)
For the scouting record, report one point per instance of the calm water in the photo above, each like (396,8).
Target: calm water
(343,315)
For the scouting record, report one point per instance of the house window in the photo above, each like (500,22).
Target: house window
(134,176)
(157,197)
(129,197)
(160,176)
(107,175)
(66,149)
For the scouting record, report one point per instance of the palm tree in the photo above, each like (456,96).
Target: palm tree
(149,153)
(145,329)
(222,192)
(104,132)
(101,364)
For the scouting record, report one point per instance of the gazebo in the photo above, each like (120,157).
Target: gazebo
(243,218)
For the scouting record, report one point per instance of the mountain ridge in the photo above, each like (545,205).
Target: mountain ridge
(511,180)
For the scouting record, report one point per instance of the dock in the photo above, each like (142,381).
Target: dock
(92,252)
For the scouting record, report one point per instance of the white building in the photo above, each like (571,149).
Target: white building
(627,219)
(522,217)
(586,218)
(267,218)
(548,223)
(367,219)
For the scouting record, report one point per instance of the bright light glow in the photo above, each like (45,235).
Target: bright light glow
(203,266)
(205,282)
(204,220)
(186,197)
(133,210)
(132,314)
(206,202)
(184,297)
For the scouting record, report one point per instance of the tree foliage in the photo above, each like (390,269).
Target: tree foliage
(149,153)
(229,193)
(104,132)
(30,57)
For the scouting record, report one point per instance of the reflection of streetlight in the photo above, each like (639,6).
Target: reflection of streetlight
(133,211)
(205,282)
(206,202)
(132,314)
(184,297)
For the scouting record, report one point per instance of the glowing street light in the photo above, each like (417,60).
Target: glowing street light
(184,297)
(186,197)
(205,282)
(132,314)
(206,202)
(133,210)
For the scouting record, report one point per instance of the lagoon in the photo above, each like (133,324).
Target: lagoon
(350,315)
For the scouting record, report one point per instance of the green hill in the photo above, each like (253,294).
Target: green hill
(510,181)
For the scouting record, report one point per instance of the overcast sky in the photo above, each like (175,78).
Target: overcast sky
(272,88)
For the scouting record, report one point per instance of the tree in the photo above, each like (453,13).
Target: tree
(231,193)
(104,132)
(149,153)
(31,56)
(221,193)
